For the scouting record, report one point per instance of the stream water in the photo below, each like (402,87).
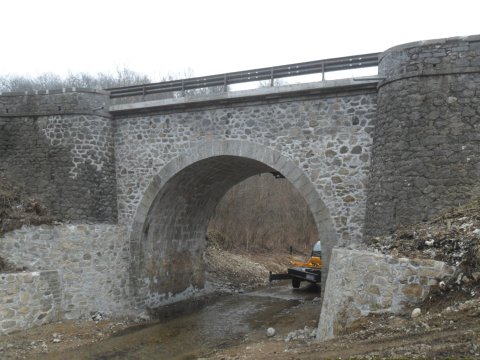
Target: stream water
(188,329)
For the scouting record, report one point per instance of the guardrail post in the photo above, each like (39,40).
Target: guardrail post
(311,67)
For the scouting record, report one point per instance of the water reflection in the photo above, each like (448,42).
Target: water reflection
(186,330)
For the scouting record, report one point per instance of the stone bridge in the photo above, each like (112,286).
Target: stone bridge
(138,183)
(175,164)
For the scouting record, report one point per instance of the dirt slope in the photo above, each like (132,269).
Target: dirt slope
(19,206)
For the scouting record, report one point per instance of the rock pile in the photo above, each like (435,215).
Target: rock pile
(453,237)
(307,333)
(231,274)
(96,317)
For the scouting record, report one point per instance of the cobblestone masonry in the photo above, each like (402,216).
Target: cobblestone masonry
(171,164)
(362,282)
(67,159)
(325,143)
(329,139)
(426,153)
(55,102)
(91,261)
(29,299)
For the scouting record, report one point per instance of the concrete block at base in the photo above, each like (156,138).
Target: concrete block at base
(355,287)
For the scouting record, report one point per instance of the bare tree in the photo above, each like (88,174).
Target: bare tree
(123,76)
(276,82)
(264,213)
(188,74)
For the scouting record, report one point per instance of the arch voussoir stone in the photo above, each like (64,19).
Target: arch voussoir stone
(175,209)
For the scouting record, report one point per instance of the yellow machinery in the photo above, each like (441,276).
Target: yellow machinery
(309,271)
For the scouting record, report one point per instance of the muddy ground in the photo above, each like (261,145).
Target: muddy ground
(449,333)
(228,275)
(449,326)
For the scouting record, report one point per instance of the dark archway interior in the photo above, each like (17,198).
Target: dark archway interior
(174,231)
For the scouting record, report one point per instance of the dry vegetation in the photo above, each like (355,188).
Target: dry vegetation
(19,206)
(453,237)
(263,213)
(120,77)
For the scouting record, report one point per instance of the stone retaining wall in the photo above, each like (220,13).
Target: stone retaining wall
(29,299)
(91,261)
(54,144)
(362,282)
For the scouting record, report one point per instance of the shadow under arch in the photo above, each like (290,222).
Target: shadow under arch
(169,227)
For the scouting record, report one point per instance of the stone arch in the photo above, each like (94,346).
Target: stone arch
(171,220)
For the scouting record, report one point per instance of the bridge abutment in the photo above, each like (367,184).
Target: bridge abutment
(426,153)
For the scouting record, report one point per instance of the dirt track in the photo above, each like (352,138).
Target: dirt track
(451,334)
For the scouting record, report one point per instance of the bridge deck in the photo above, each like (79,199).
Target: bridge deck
(314,89)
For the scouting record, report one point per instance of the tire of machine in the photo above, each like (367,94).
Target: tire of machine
(296,283)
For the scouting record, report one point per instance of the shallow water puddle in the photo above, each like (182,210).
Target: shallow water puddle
(188,329)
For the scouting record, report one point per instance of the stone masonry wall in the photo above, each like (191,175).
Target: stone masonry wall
(29,299)
(55,102)
(67,159)
(432,57)
(329,139)
(362,282)
(426,153)
(91,261)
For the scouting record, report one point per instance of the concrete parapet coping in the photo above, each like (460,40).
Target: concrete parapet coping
(471,38)
(57,113)
(261,94)
(56,91)
(429,72)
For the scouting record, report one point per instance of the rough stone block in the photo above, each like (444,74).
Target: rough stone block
(410,271)
(448,270)
(412,290)
(372,289)
(429,272)
(9,324)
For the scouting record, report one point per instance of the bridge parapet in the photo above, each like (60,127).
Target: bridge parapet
(454,55)
(65,101)
(296,92)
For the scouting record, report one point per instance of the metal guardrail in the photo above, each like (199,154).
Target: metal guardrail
(272,73)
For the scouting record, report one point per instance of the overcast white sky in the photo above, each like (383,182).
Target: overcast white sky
(211,37)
